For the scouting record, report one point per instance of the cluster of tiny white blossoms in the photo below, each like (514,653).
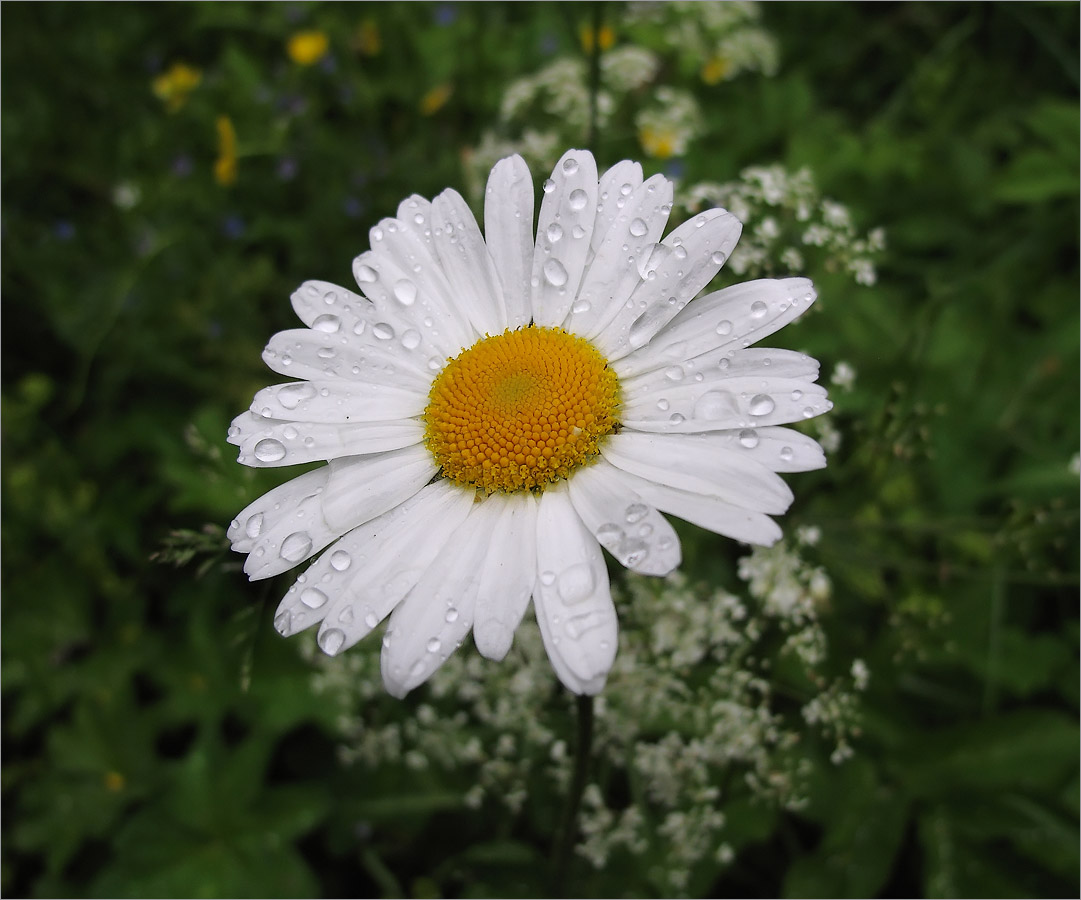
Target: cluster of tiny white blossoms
(689,714)
(669,123)
(788,224)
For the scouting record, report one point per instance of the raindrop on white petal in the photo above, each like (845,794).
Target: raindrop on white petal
(578,199)
(405,292)
(662,405)
(578,232)
(254,525)
(576,583)
(674,373)
(548,186)
(547,578)
(748,438)
(327,323)
(331,640)
(346,616)
(340,560)
(554,232)
(713,405)
(626,189)
(289,433)
(366,275)
(677,419)
(580,307)
(761,405)
(797,395)
(371,620)
(296,546)
(291,395)
(313,598)
(570,166)
(383,331)
(325,353)
(638,227)
(786,454)
(636,512)
(758,309)
(718,258)
(555,273)
(269,450)
(411,339)
(609,533)
(434,645)
(452,615)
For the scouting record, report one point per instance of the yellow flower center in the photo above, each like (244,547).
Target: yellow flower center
(521,410)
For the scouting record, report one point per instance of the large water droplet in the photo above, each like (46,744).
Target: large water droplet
(786,454)
(718,258)
(405,292)
(713,405)
(327,323)
(434,645)
(636,512)
(452,615)
(578,199)
(761,405)
(370,621)
(570,166)
(313,598)
(296,546)
(748,438)
(555,273)
(638,227)
(576,583)
(340,560)
(662,405)
(383,331)
(331,640)
(366,275)
(269,450)
(548,186)
(292,395)
(411,339)
(609,533)
(674,373)
(254,526)
(554,232)
(346,616)
(758,309)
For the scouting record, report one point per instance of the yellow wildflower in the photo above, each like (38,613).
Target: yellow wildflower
(306,48)
(114,782)
(174,85)
(225,166)
(660,143)
(367,40)
(605,38)
(436,98)
(716,69)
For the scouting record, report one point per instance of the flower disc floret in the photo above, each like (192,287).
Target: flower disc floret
(520,410)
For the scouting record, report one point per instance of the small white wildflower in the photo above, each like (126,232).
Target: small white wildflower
(126,195)
(844,376)
(861,675)
(808,535)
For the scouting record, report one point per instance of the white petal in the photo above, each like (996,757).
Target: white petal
(508,573)
(632,531)
(264,513)
(271,442)
(390,357)
(614,273)
(572,599)
(508,232)
(469,266)
(710,513)
(685,262)
(726,320)
(329,308)
(700,463)
(616,185)
(719,402)
(434,618)
(564,230)
(363,487)
(338,402)
(355,584)
(293,534)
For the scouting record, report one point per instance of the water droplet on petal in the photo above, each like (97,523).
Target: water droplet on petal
(555,273)
(797,395)
(674,373)
(761,405)
(452,615)
(383,331)
(554,232)
(331,640)
(411,339)
(609,533)
(636,512)
(570,166)
(405,292)
(547,578)
(254,525)
(327,323)
(718,258)
(370,621)
(576,583)
(366,275)
(434,645)
(578,199)
(548,186)
(282,622)
(748,438)
(662,405)
(758,309)
(713,405)
(786,454)
(346,616)
(296,547)
(269,450)
(313,598)
(292,395)
(638,227)
(340,560)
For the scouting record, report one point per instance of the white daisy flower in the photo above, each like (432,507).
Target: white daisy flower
(495,410)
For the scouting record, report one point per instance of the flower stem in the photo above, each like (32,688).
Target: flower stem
(568,831)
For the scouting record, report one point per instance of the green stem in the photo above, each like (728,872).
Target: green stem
(568,831)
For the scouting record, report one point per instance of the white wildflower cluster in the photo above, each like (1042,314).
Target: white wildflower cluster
(689,718)
(721,40)
(844,376)
(668,125)
(786,219)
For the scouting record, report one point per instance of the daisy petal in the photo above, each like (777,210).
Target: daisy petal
(632,233)
(700,463)
(616,185)
(263,514)
(434,618)
(564,230)
(683,264)
(508,573)
(363,487)
(718,403)
(329,308)
(632,531)
(303,353)
(293,534)
(468,264)
(710,513)
(355,584)
(338,402)
(572,599)
(717,323)
(508,231)
(271,442)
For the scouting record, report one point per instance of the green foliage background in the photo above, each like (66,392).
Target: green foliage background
(160,740)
